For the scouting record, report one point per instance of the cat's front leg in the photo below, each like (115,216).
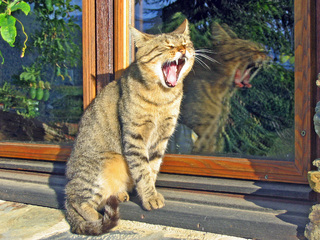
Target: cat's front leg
(150,197)
(142,171)
(145,185)
(156,201)
(156,152)
(138,138)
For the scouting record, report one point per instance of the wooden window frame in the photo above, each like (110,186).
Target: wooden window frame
(105,55)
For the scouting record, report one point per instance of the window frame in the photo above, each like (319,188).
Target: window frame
(105,55)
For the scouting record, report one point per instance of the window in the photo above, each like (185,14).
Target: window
(256,167)
(105,55)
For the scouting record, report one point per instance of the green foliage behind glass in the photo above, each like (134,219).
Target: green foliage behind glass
(261,121)
(53,58)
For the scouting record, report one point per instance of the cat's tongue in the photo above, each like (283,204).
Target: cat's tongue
(171,74)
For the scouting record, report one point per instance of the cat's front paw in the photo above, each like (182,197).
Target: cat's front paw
(154,202)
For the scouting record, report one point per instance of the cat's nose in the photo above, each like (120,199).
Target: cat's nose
(182,51)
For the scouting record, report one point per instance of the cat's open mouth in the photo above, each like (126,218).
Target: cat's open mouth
(171,71)
(243,78)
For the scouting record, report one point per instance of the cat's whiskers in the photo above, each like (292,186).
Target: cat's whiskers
(204,50)
(201,62)
(206,57)
(202,53)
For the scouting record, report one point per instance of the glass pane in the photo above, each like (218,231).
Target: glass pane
(239,97)
(41,92)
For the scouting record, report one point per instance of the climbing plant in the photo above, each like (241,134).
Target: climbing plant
(8,28)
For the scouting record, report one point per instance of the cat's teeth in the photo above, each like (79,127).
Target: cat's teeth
(177,61)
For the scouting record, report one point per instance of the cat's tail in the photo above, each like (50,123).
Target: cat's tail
(98,227)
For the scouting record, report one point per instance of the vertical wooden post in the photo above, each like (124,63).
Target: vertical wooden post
(104,42)
(305,67)
(318,65)
(121,37)
(89,51)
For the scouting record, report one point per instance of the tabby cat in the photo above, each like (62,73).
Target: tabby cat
(207,92)
(124,133)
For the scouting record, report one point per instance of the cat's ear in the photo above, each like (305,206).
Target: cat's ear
(183,28)
(140,38)
(228,30)
(219,34)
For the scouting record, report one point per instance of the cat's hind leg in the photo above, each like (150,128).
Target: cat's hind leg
(116,177)
(108,179)
(87,211)
(84,219)
(123,196)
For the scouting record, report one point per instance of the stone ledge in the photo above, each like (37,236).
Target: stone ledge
(22,221)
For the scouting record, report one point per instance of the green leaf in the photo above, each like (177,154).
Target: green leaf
(2,57)
(292,60)
(23,6)
(284,58)
(2,19)
(8,29)
(49,5)
(27,76)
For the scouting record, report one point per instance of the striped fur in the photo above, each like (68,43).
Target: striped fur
(124,133)
(207,92)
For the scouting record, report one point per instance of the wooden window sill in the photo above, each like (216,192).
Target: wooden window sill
(241,168)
